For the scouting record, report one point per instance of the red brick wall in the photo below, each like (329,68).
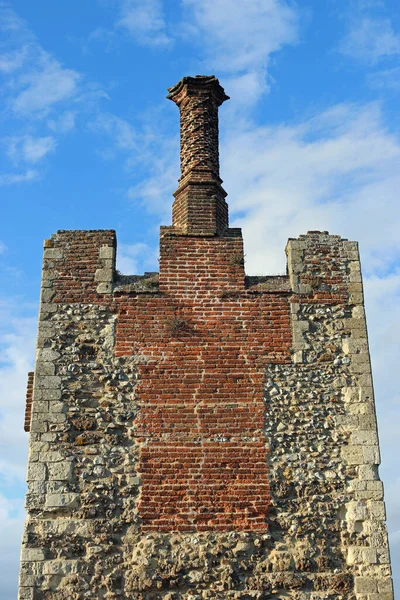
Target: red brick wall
(74,272)
(204,343)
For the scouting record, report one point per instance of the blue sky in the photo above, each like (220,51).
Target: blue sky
(309,140)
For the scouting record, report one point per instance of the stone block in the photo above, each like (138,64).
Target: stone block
(44,368)
(36,472)
(377,509)
(365,585)
(105,275)
(53,253)
(60,471)
(48,382)
(107,252)
(62,500)
(364,438)
(371,455)
(353,455)
(104,288)
(32,554)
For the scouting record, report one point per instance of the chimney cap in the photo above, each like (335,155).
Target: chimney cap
(199,81)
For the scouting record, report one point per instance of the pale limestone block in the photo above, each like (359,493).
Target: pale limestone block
(105,288)
(52,456)
(355,288)
(365,585)
(41,406)
(50,394)
(383,555)
(61,500)
(103,275)
(353,455)
(353,346)
(47,354)
(365,381)
(36,472)
(107,252)
(48,382)
(352,394)
(356,298)
(355,277)
(298,357)
(38,426)
(32,554)
(60,567)
(371,455)
(356,511)
(369,556)
(354,555)
(385,585)
(367,422)
(347,422)
(375,485)
(364,438)
(27,580)
(60,471)
(52,253)
(56,407)
(47,295)
(369,495)
(48,437)
(381,596)
(367,472)
(377,509)
(44,368)
(26,593)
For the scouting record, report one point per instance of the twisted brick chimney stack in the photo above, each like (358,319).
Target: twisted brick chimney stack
(199,207)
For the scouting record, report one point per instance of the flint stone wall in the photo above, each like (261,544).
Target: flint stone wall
(322,535)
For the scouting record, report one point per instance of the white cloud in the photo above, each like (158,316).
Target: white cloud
(388,79)
(325,173)
(122,133)
(17,345)
(144,21)
(63,123)
(15,178)
(29,149)
(12,516)
(240,37)
(3,247)
(44,85)
(370,39)
(14,60)
(134,259)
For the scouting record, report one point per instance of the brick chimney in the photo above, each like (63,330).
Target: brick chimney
(199,207)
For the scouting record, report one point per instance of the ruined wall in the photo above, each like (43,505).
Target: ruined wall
(199,434)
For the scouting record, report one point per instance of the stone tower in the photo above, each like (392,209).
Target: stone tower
(196,433)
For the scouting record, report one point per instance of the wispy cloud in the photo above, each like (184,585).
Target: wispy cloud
(29,149)
(144,21)
(239,39)
(370,39)
(40,94)
(388,79)
(141,20)
(46,84)
(13,178)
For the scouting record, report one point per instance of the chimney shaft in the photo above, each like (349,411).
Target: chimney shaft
(199,206)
